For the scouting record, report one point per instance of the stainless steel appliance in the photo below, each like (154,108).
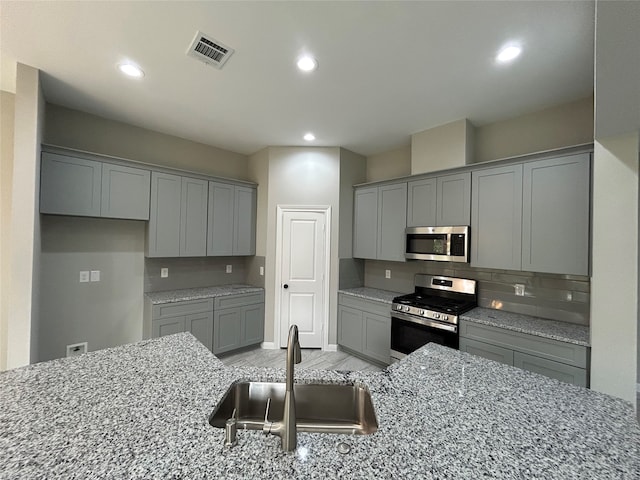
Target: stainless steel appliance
(446,244)
(430,314)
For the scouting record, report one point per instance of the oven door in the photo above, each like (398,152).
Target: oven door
(407,335)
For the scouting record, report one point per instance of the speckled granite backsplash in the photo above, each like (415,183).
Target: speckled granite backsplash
(556,297)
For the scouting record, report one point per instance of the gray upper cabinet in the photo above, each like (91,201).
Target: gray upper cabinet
(193,217)
(496,218)
(392,220)
(421,202)
(125,192)
(163,236)
(232,220)
(365,223)
(555,218)
(244,221)
(380,217)
(70,185)
(454,199)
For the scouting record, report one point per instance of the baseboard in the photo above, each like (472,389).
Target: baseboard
(268,345)
(332,347)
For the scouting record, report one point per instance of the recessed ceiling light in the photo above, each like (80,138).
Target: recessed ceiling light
(307,63)
(131,70)
(508,53)
(309,137)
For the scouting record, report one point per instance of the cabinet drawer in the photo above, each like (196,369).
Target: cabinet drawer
(370,306)
(485,350)
(230,301)
(548,368)
(554,350)
(182,308)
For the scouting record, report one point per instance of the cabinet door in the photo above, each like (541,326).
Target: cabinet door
(201,326)
(69,185)
(486,350)
(244,225)
(253,324)
(227,330)
(193,217)
(350,328)
(421,203)
(220,227)
(163,235)
(454,199)
(496,218)
(555,219)
(549,368)
(125,192)
(365,223)
(392,220)
(167,326)
(376,341)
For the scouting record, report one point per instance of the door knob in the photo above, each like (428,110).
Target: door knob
(286,286)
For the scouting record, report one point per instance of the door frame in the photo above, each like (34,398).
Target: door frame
(280,211)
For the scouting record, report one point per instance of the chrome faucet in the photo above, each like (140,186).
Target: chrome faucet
(286,428)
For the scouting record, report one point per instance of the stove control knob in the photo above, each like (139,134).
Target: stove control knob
(436,315)
(421,312)
(398,307)
(406,308)
(444,317)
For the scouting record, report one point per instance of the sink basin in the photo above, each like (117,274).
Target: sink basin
(327,408)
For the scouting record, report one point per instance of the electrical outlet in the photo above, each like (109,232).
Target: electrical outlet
(519,289)
(84,276)
(261,270)
(95,275)
(164,272)
(387,274)
(229,268)
(76,349)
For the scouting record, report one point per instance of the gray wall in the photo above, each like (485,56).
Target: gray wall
(193,272)
(557,297)
(83,131)
(105,313)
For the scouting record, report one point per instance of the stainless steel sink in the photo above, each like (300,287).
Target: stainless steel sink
(328,408)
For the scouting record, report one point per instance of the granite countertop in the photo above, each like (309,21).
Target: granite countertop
(384,296)
(184,294)
(141,411)
(562,331)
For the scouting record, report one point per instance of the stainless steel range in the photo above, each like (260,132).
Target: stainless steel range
(430,314)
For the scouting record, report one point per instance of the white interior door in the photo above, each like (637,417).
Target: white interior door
(302,292)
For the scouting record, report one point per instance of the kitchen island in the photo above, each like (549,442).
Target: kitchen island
(141,411)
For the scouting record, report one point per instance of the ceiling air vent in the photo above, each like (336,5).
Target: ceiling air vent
(209,50)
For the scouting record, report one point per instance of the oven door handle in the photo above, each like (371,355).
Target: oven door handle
(425,321)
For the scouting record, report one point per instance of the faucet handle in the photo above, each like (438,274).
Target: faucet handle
(266,426)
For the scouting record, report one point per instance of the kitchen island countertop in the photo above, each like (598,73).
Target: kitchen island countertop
(141,411)
(198,293)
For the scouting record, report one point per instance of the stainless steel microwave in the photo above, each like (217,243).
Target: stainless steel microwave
(444,244)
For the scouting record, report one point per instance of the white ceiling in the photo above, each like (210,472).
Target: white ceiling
(386,69)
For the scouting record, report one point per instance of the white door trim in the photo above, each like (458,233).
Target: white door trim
(280,210)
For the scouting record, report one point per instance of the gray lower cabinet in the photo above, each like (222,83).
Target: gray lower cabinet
(364,328)
(564,361)
(178,218)
(380,217)
(84,187)
(232,220)
(195,316)
(238,321)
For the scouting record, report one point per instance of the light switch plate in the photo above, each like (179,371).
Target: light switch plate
(84,276)
(261,270)
(164,272)
(387,274)
(229,268)
(519,289)
(95,275)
